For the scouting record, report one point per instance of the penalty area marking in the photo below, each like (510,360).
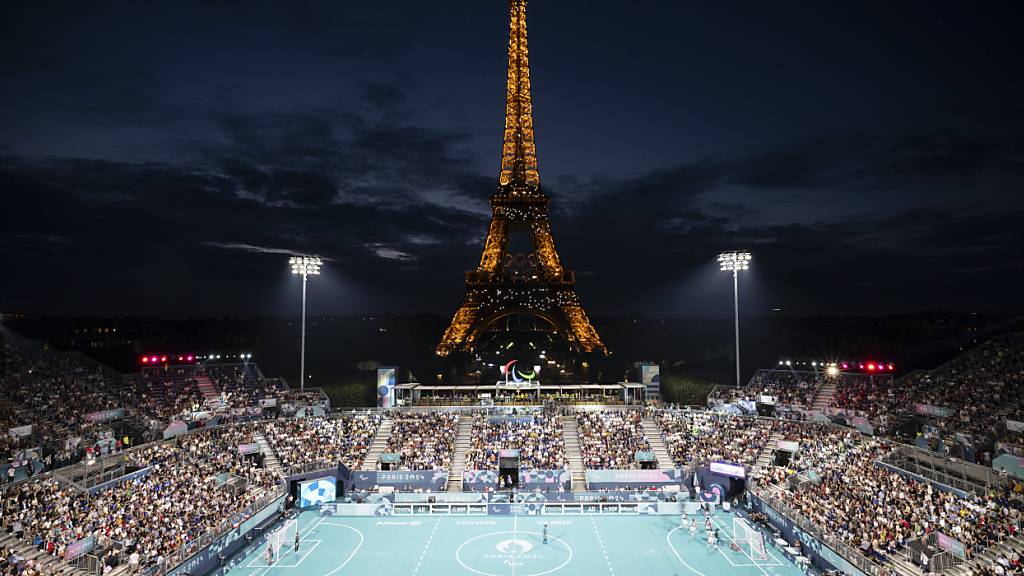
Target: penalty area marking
(296,564)
(668,540)
(458,552)
(301,539)
(353,554)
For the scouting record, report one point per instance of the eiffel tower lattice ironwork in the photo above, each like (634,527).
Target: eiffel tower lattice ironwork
(505,283)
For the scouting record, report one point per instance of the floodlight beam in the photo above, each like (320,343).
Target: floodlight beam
(734,262)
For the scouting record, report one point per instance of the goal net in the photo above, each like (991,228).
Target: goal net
(748,539)
(283,537)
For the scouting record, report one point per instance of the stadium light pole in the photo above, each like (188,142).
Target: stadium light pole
(306,266)
(734,262)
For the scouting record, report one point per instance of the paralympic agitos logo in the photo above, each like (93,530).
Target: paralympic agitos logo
(513,373)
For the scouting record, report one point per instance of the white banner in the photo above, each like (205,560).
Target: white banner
(21,431)
(1014,426)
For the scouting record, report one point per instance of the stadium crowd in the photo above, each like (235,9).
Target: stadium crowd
(302,441)
(700,437)
(880,511)
(539,439)
(424,440)
(181,498)
(48,396)
(611,439)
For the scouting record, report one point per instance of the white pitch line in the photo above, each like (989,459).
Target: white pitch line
(600,541)
(668,540)
(748,556)
(426,547)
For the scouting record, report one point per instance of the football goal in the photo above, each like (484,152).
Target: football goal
(283,537)
(748,539)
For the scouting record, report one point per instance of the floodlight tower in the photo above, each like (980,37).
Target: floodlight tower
(734,262)
(306,266)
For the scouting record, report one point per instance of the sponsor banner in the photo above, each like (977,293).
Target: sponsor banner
(929,410)
(1014,426)
(21,431)
(386,377)
(444,497)
(104,415)
(382,508)
(208,559)
(268,402)
(787,445)
(533,476)
(530,478)
(79,547)
(251,448)
(820,554)
(633,478)
(427,479)
(951,545)
(767,399)
(118,481)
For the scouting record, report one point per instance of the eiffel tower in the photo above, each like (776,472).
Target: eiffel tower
(506,282)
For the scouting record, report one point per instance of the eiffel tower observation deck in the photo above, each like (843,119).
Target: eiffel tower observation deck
(520,273)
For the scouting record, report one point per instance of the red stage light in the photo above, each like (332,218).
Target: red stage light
(871,366)
(180,358)
(891,367)
(190,358)
(845,365)
(153,359)
(163,358)
(145,359)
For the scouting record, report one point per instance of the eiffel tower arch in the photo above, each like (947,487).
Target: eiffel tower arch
(520,272)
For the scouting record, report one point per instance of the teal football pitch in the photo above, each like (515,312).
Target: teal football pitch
(506,546)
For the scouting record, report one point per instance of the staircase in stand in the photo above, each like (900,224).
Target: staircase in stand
(765,457)
(378,446)
(987,558)
(462,443)
(824,396)
(270,460)
(573,454)
(652,433)
(52,564)
(207,388)
(900,566)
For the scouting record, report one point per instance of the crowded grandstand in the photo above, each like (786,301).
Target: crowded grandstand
(111,473)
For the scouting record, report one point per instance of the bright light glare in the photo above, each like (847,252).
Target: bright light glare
(832,371)
(730,261)
(305,265)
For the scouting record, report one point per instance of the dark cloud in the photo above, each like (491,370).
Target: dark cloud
(164,160)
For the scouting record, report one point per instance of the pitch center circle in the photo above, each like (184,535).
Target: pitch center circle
(508,552)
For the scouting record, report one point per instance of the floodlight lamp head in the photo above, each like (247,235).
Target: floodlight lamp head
(305,265)
(733,261)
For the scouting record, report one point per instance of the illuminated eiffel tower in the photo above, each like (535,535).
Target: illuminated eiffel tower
(505,282)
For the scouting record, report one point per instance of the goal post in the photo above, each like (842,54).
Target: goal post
(283,537)
(748,538)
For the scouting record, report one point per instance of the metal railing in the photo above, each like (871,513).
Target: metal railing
(87,562)
(851,554)
(203,541)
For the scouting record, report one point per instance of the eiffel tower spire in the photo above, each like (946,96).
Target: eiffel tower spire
(519,173)
(505,283)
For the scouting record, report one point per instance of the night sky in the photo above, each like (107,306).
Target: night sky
(165,158)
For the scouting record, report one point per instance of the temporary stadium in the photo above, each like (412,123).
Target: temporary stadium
(516,455)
